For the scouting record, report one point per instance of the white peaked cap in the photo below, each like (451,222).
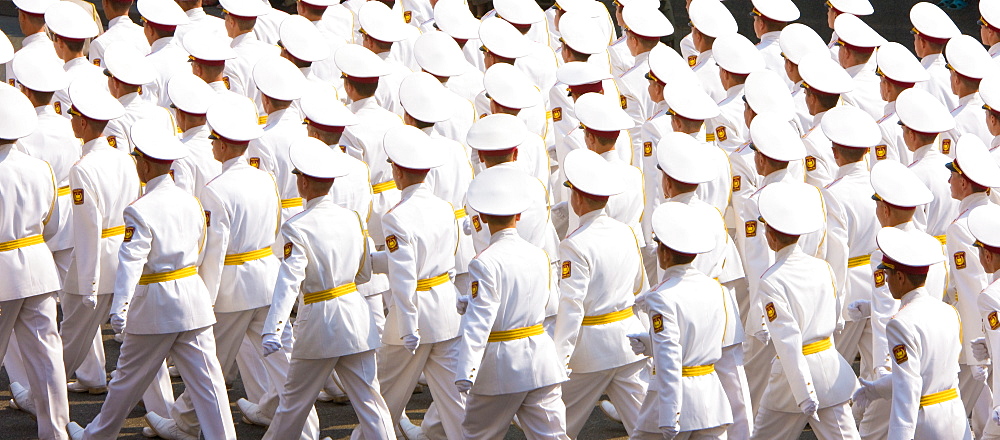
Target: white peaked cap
(592,174)
(853,7)
(736,54)
(6,49)
(278,78)
(793,208)
(851,30)
(127,64)
(315,159)
(500,191)
(775,138)
(823,74)
(911,248)
(425,98)
(968,57)
(454,18)
(921,111)
(503,39)
(577,73)
(666,64)
(798,40)
(898,185)
(646,21)
(932,21)
(320,107)
(689,101)
(851,127)
(989,90)
(357,61)
(510,87)
(156,139)
(37,7)
(583,32)
(777,10)
(40,71)
(190,93)
(382,23)
(409,147)
(162,12)
(234,117)
(205,44)
(303,40)
(245,8)
(17,115)
(520,12)
(766,93)
(712,18)
(973,160)
(438,54)
(89,95)
(684,159)
(600,112)
(684,228)
(497,132)
(69,20)
(984,223)
(990,11)
(899,64)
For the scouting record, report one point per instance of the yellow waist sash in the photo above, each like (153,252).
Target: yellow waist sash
(426,284)
(942,238)
(152,278)
(111,232)
(859,261)
(459,213)
(238,259)
(607,318)
(324,295)
(940,397)
(515,334)
(21,242)
(291,203)
(63,191)
(816,347)
(384,186)
(700,370)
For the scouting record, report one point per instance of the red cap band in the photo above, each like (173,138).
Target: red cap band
(503,152)
(895,265)
(604,134)
(326,128)
(364,80)
(597,87)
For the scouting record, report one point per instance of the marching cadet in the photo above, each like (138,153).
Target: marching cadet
(600,274)
(769,18)
(710,19)
(305,46)
(28,297)
(421,329)
(510,91)
(70,28)
(325,255)
(850,213)
(160,303)
(736,59)
(585,32)
(969,64)
(455,19)
(502,324)
(540,63)
(799,40)
(501,42)
(858,42)
(575,79)
(973,173)
(983,226)
(31,22)
(241,17)
(120,28)
(686,166)
(457,113)
(334,20)
(209,53)
(835,8)
(191,98)
(923,118)
(932,28)
(687,320)
(439,54)
(898,70)
(279,83)
(127,74)
(160,21)
(989,33)
(824,82)
(923,336)
(810,382)
(643,26)
(197,18)
(382,29)
(989,91)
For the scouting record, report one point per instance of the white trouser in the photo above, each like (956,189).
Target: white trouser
(540,413)
(398,371)
(193,352)
(33,321)
(836,423)
(855,338)
(734,381)
(623,385)
(758,369)
(357,373)
(250,368)
(716,433)
(377,309)
(874,424)
(650,263)
(80,328)
(971,390)
(158,397)
(13,362)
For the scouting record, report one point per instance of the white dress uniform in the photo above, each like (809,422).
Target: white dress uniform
(75,68)
(728,130)
(940,83)
(970,118)
(450,183)
(634,96)
(249,49)
(865,95)
(120,28)
(707,71)
(364,142)
(136,107)
(167,58)
(193,172)
(892,147)
(36,41)
(74,23)
(983,225)
(197,18)
(934,218)
(770,50)
(621,58)
(270,153)
(819,164)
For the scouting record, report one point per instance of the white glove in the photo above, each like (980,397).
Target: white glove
(980,350)
(669,432)
(467,225)
(461,304)
(270,343)
(840,325)
(996,415)
(864,395)
(560,218)
(763,336)
(980,372)
(640,343)
(411,342)
(118,322)
(90,301)
(463,386)
(859,310)
(809,408)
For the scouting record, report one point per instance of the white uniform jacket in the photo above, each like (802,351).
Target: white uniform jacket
(167,58)
(164,233)
(509,291)
(450,182)
(968,278)
(929,166)
(851,230)
(75,68)
(121,29)
(198,18)
(770,50)
(866,94)
(195,170)
(820,165)
(137,107)
(970,118)
(37,41)
(270,153)
(364,141)
(353,191)
(892,146)
(989,312)
(728,130)
(940,83)
(324,249)
(621,57)
(707,72)
(239,71)
(635,100)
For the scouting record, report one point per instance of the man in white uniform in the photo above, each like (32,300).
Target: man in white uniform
(166,56)
(120,28)
(241,17)
(898,70)
(858,42)
(968,63)
(932,28)
(70,27)
(769,19)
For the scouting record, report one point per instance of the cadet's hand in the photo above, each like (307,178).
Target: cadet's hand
(411,342)
(809,408)
(640,343)
(118,322)
(763,336)
(463,386)
(864,395)
(90,301)
(859,310)
(996,415)
(669,432)
(980,350)
(467,225)
(980,372)
(461,304)
(270,344)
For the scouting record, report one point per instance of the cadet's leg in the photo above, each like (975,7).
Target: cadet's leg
(439,370)
(836,422)
(79,321)
(626,391)
(758,368)
(847,339)
(194,355)
(777,425)
(970,388)
(159,395)
(543,415)
(41,349)
(250,363)
(875,422)
(717,433)
(358,374)
(305,379)
(12,359)
(488,417)
(579,395)
(398,371)
(734,381)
